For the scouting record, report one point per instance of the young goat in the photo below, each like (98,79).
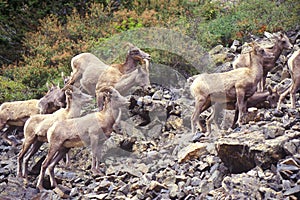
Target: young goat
(36,127)
(87,68)
(16,113)
(258,99)
(281,42)
(294,68)
(232,86)
(93,129)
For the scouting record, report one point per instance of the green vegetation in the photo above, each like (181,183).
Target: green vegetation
(39,38)
(12,90)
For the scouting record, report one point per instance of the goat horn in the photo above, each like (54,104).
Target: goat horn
(106,89)
(67,86)
(145,63)
(268,35)
(128,44)
(47,85)
(52,83)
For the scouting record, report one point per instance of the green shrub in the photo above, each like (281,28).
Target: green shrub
(13,91)
(248,17)
(50,48)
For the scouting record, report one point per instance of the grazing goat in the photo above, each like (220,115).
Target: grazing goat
(281,42)
(16,113)
(87,68)
(232,86)
(36,127)
(123,82)
(258,99)
(93,129)
(294,69)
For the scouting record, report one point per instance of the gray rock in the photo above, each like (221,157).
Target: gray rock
(242,152)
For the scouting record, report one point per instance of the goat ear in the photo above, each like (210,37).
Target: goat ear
(268,35)
(128,44)
(52,83)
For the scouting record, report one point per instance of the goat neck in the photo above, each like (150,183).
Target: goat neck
(109,114)
(126,82)
(276,50)
(74,109)
(129,65)
(256,66)
(76,104)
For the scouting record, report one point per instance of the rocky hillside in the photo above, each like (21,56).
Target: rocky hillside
(260,160)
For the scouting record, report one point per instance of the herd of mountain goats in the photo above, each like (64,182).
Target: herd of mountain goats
(56,117)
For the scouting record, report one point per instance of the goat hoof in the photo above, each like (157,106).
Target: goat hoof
(278,113)
(197,137)
(97,172)
(237,129)
(40,189)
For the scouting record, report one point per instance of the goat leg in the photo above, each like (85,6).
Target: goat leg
(209,119)
(294,89)
(201,105)
(117,125)
(34,148)
(235,119)
(97,140)
(240,94)
(282,96)
(54,147)
(216,109)
(4,136)
(59,155)
(260,85)
(25,147)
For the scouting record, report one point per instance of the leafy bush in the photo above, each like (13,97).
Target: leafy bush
(33,78)
(50,47)
(249,17)
(12,90)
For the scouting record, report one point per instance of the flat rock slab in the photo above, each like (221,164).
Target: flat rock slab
(242,151)
(192,151)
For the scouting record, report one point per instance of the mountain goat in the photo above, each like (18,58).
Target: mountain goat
(86,68)
(294,68)
(16,113)
(281,42)
(232,86)
(36,127)
(93,129)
